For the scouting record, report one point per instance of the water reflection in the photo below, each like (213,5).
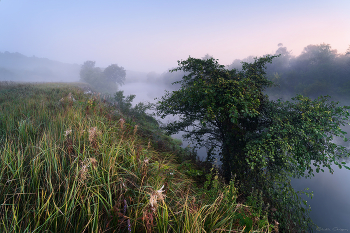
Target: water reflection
(330,206)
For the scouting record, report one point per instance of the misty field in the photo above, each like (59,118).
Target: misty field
(73,162)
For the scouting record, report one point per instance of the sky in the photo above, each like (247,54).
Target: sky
(153,35)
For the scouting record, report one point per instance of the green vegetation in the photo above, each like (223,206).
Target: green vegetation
(104,81)
(262,143)
(318,70)
(76,162)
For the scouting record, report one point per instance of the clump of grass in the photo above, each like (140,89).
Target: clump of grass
(70,163)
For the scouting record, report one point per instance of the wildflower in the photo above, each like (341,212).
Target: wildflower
(129,225)
(146,161)
(125,206)
(90,102)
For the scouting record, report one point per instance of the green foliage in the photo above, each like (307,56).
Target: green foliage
(138,112)
(190,170)
(114,74)
(217,102)
(212,184)
(262,142)
(124,103)
(102,80)
(303,130)
(68,163)
(318,70)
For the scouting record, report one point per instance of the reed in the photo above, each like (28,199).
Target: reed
(70,163)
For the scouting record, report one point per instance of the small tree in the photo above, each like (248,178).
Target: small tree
(114,74)
(89,73)
(103,81)
(262,143)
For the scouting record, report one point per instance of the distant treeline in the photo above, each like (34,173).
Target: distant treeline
(20,68)
(318,70)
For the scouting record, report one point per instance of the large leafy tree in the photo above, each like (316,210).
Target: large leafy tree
(262,143)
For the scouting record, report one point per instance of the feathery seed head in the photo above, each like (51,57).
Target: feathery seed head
(67,132)
(135,129)
(122,121)
(155,196)
(93,162)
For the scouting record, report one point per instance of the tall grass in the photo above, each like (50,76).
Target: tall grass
(69,162)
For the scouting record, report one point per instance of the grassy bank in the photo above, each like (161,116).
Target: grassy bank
(72,161)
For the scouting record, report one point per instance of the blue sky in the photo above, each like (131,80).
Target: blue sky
(153,35)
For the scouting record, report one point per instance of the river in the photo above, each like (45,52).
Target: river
(330,205)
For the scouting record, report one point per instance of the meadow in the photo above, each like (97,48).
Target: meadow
(72,160)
